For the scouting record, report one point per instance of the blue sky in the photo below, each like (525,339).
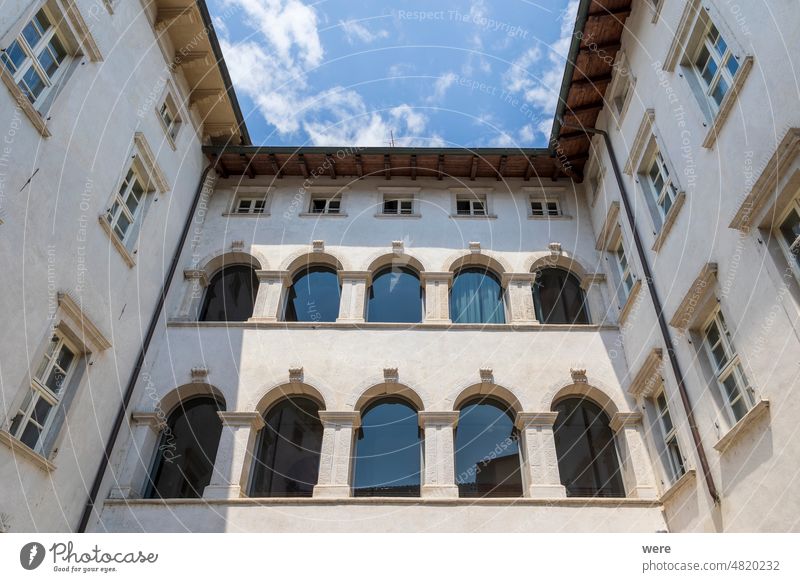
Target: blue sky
(447,73)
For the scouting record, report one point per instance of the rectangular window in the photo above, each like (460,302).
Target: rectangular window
(728,372)
(168,112)
(326,205)
(663,189)
(127,205)
(35,58)
(715,64)
(250,206)
(788,235)
(623,270)
(398,205)
(53,375)
(545,207)
(470,205)
(671,451)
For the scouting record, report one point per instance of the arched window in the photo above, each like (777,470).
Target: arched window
(388,451)
(476,297)
(587,457)
(395,296)
(487,451)
(187,449)
(558,297)
(287,457)
(231,295)
(314,295)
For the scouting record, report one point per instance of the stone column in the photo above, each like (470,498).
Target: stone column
(637,469)
(439,464)
(270,292)
(232,462)
(335,462)
(540,463)
(598,310)
(520,297)
(437,296)
(146,430)
(352,304)
(197,280)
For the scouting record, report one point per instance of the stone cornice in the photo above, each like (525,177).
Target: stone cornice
(648,378)
(640,141)
(623,419)
(152,419)
(528,419)
(86,328)
(609,228)
(685,315)
(340,419)
(436,418)
(251,419)
(678,44)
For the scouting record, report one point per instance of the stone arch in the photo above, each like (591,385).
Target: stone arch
(493,262)
(564,260)
(172,399)
(380,261)
(605,398)
(212,263)
(387,389)
(273,395)
(298,261)
(487,389)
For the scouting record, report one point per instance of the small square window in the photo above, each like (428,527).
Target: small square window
(545,207)
(471,206)
(326,205)
(398,206)
(250,206)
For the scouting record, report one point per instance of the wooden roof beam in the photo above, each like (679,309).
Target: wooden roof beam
(166,17)
(502,167)
(585,108)
(275,167)
(413,167)
(529,169)
(440,167)
(359,166)
(301,160)
(249,168)
(331,166)
(607,47)
(620,12)
(387,167)
(474,170)
(591,81)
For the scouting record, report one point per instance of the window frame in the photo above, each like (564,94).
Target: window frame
(669,438)
(326,211)
(703,26)
(473,201)
(792,257)
(400,200)
(731,368)
(134,174)
(171,129)
(670,188)
(623,270)
(545,210)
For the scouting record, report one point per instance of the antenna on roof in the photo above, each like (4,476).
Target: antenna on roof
(391,138)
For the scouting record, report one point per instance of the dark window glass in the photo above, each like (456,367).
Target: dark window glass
(186,451)
(230,295)
(395,296)
(476,297)
(558,297)
(387,453)
(314,296)
(287,463)
(587,458)
(487,451)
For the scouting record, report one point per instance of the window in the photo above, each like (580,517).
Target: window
(230,295)
(545,207)
(728,372)
(662,189)
(186,452)
(388,451)
(53,375)
(314,295)
(476,297)
(287,458)
(621,89)
(470,205)
(714,64)
(127,205)
(788,235)
(36,57)
(400,206)
(558,298)
(395,296)
(670,449)
(487,451)
(250,205)
(168,113)
(623,271)
(587,457)
(326,205)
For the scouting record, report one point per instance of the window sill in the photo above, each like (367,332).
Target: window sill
(669,221)
(473,217)
(382,215)
(559,217)
(727,102)
(323,215)
(121,248)
(27,107)
(22,450)
(749,419)
(630,302)
(361,325)
(246,214)
(689,477)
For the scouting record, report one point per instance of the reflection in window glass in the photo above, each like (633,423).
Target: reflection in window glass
(487,451)
(287,462)
(476,297)
(587,457)
(395,296)
(314,296)
(388,451)
(231,295)
(186,452)
(558,298)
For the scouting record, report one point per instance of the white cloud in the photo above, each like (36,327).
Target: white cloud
(357,32)
(441,85)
